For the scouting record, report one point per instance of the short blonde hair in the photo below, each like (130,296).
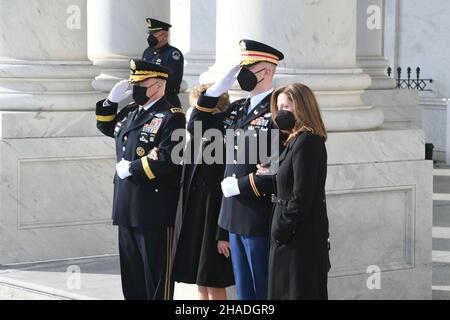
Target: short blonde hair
(224,99)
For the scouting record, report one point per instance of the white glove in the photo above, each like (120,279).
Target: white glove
(230,187)
(122,90)
(224,84)
(123,169)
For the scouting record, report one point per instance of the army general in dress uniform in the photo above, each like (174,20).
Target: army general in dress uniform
(161,52)
(246,206)
(145,190)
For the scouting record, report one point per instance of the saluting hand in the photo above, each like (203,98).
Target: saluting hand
(121,91)
(223,247)
(224,84)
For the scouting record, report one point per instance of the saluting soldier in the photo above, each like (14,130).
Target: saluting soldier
(246,205)
(144,189)
(161,52)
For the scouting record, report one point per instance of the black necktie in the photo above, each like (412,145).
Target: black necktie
(246,106)
(243,115)
(139,112)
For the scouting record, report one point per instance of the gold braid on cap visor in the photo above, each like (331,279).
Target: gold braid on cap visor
(250,57)
(142,75)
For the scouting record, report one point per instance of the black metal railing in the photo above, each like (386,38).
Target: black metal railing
(410,83)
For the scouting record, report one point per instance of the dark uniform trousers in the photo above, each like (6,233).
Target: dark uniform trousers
(172,58)
(144,204)
(246,216)
(143,274)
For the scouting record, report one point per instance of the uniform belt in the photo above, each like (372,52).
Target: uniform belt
(177,91)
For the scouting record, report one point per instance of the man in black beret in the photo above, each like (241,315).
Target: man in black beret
(161,52)
(145,191)
(246,203)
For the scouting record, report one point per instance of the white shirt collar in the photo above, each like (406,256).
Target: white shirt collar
(150,104)
(255,100)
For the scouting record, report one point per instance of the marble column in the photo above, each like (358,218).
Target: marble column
(194,33)
(55,171)
(318,39)
(43,56)
(370,43)
(391,32)
(117,31)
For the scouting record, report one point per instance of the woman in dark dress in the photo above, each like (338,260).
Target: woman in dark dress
(299,260)
(201,248)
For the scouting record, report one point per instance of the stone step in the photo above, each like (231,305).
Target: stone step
(441,183)
(17,290)
(441,232)
(20,290)
(441,292)
(441,214)
(439,256)
(441,244)
(441,239)
(99,280)
(441,197)
(441,279)
(440,172)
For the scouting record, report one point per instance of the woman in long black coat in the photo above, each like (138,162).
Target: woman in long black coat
(299,259)
(201,247)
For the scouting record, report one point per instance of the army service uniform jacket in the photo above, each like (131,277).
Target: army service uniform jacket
(148,198)
(249,212)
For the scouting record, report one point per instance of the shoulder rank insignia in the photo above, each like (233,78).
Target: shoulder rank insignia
(176,110)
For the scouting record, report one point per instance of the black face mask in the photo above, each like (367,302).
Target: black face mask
(247,80)
(152,40)
(285,120)
(140,94)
